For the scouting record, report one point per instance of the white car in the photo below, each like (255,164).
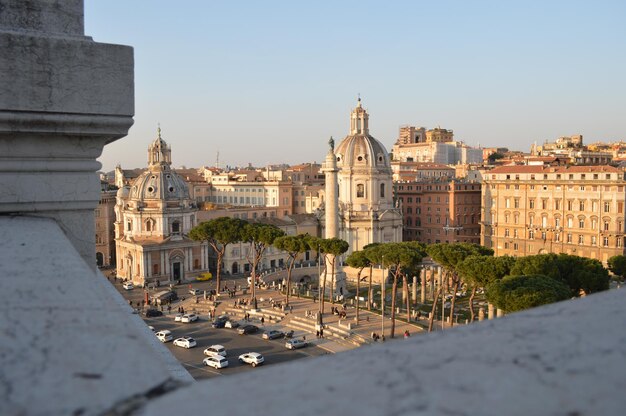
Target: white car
(185,342)
(252,358)
(231,324)
(164,335)
(178,317)
(151,328)
(194,291)
(189,317)
(128,285)
(215,350)
(216,361)
(295,343)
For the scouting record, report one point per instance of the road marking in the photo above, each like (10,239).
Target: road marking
(204,368)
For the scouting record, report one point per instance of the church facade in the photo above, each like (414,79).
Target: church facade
(365,205)
(154,214)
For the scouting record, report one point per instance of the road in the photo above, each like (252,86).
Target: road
(274,351)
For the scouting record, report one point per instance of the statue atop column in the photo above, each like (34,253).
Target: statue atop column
(331,143)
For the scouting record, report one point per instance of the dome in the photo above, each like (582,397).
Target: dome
(362,150)
(162,185)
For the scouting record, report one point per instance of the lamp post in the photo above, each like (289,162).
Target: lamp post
(320,321)
(382,298)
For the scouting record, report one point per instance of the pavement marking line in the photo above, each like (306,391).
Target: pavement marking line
(204,368)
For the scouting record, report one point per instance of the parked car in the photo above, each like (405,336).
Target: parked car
(185,342)
(247,329)
(215,350)
(128,285)
(195,291)
(164,335)
(151,328)
(189,317)
(178,317)
(215,361)
(252,358)
(231,324)
(273,334)
(220,321)
(164,296)
(293,344)
(151,313)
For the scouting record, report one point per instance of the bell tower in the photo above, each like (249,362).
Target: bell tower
(359,120)
(159,153)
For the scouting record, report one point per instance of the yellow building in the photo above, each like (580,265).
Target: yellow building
(576,210)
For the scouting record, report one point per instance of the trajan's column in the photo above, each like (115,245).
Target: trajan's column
(331,217)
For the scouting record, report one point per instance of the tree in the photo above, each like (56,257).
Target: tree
(358,260)
(333,247)
(294,245)
(449,256)
(479,271)
(260,236)
(218,233)
(371,254)
(516,293)
(617,265)
(580,274)
(400,258)
(495,156)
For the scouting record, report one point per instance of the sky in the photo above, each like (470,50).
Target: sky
(268,82)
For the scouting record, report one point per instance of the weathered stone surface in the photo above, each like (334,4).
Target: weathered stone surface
(63,17)
(562,359)
(68,343)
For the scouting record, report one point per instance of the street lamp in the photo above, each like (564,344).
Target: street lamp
(382,298)
(320,321)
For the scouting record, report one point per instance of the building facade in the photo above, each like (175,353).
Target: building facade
(154,214)
(105,228)
(440,211)
(575,210)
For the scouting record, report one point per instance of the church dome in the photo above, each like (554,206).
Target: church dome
(359,149)
(159,182)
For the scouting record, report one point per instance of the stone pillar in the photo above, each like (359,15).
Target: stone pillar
(432,284)
(63,97)
(490,311)
(499,313)
(414,290)
(423,283)
(481,314)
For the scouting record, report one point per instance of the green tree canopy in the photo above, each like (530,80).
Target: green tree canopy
(516,293)
(480,271)
(218,233)
(578,273)
(617,265)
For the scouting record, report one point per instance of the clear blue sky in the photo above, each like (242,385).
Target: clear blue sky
(269,81)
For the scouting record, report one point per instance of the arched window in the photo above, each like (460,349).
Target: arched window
(176,227)
(360,190)
(382,190)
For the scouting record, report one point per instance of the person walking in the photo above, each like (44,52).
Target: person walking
(263,321)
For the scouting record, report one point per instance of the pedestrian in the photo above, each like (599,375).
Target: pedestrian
(317,333)
(263,321)
(304,338)
(367,318)
(419,314)
(321,332)
(290,308)
(406,334)
(169,309)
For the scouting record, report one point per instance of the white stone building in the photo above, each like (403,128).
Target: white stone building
(153,216)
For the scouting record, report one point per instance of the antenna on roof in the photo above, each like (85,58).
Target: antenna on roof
(217,159)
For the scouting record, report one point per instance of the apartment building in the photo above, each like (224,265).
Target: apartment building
(576,210)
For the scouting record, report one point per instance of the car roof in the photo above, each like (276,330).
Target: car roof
(165,331)
(254,354)
(217,346)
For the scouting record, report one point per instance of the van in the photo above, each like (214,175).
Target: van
(164,335)
(164,296)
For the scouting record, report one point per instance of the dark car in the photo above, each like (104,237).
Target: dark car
(151,313)
(273,334)
(220,321)
(247,329)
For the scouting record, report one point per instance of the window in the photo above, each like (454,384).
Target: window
(557,204)
(557,222)
(557,237)
(570,222)
(581,239)
(543,235)
(515,234)
(593,240)
(531,203)
(516,218)
(581,205)
(506,234)
(382,190)
(544,204)
(569,238)
(607,206)
(516,203)
(620,207)
(515,247)
(619,242)
(606,225)
(176,227)
(581,223)
(531,234)
(570,205)
(360,190)
(506,218)
(531,220)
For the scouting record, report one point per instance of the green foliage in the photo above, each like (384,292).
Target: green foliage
(358,260)
(222,230)
(516,293)
(334,246)
(292,244)
(495,156)
(259,233)
(617,265)
(578,273)
(479,271)
(451,255)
